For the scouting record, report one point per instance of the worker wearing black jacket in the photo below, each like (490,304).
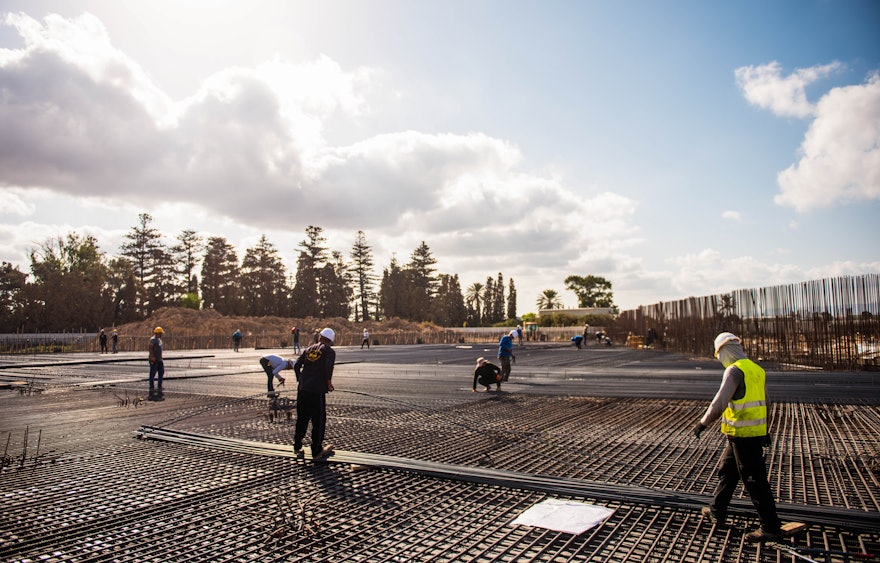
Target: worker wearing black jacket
(487,373)
(314,372)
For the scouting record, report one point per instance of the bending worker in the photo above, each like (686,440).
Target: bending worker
(741,404)
(273,365)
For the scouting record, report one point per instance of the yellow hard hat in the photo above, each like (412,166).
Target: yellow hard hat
(158,330)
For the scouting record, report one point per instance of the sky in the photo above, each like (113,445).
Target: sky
(679,148)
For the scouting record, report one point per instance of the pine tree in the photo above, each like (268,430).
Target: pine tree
(364,279)
(147,254)
(305,294)
(511,301)
(422,284)
(263,278)
(186,256)
(220,277)
(392,290)
(335,288)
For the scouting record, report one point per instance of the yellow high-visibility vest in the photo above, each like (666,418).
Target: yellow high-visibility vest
(747,417)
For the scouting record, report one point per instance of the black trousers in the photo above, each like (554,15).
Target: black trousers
(310,407)
(743,459)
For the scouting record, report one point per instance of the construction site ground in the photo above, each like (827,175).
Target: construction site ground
(425,469)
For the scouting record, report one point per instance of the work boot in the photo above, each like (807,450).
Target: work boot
(719,520)
(761,535)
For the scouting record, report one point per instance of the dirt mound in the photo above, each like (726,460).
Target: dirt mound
(180,321)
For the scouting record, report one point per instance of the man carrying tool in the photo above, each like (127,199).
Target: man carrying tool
(741,404)
(314,372)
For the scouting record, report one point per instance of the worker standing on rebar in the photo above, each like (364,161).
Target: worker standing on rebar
(741,404)
(314,374)
(487,373)
(505,354)
(157,365)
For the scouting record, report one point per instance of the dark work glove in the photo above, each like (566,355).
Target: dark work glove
(698,429)
(768,440)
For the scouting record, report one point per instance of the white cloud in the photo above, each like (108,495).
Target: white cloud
(840,154)
(82,120)
(12,202)
(765,87)
(732,215)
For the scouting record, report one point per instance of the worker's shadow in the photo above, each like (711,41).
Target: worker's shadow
(338,480)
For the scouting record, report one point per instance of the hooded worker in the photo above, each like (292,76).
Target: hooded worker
(314,372)
(741,404)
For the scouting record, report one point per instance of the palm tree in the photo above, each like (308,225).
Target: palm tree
(475,298)
(549,299)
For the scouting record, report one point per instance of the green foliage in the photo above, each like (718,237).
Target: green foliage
(549,299)
(559,319)
(591,291)
(190,301)
(75,286)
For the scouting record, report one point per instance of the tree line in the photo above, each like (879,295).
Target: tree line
(73,285)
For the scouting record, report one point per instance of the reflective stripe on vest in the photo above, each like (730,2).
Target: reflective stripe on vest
(747,417)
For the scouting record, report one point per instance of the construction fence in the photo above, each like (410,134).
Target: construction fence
(831,324)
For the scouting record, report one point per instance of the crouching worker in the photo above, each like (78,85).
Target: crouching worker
(487,373)
(272,365)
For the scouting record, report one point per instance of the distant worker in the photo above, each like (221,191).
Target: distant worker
(314,372)
(273,365)
(236,340)
(650,337)
(741,404)
(578,340)
(366,339)
(102,338)
(157,365)
(505,354)
(114,339)
(295,332)
(519,334)
(487,373)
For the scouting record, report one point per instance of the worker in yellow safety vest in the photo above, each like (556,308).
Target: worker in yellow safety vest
(741,404)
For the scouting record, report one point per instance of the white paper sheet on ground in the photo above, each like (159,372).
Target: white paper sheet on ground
(563,516)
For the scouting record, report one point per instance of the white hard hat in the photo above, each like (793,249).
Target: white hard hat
(512,333)
(725,338)
(328,334)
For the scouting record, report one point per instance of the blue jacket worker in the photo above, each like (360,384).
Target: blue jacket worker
(505,354)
